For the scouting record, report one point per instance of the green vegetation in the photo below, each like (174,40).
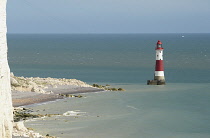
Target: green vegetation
(29,128)
(22,115)
(121,89)
(70,95)
(48,136)
(107,87)
(50,115)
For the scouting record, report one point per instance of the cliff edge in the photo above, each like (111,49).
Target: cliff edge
(6,110)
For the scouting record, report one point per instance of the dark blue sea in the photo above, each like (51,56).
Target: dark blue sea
(180,109)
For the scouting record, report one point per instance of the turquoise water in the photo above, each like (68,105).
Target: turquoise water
(178,110)
(175,111)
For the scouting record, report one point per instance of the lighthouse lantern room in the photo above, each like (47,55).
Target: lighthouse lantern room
(159,78)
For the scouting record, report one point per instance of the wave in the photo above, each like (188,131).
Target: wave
(74,113)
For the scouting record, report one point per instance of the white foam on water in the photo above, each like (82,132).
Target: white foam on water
(132,107)
(74,113)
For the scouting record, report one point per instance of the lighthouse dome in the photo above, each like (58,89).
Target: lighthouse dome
(159,42)
(159,45)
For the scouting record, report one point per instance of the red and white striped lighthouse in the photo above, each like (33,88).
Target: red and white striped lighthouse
(159,67)
(159,78)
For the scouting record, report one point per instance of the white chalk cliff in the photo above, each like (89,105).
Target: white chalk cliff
(6,115)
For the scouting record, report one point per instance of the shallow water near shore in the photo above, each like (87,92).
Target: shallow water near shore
(174,110)
(180,109)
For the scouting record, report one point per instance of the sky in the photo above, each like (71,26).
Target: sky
(108,16)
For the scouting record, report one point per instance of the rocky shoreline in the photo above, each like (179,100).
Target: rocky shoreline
(19,130)
(26,91)
(40,85)
(32,90)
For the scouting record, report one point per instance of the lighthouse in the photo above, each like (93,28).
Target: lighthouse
(159,78)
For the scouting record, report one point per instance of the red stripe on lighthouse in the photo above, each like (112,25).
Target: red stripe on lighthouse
(159,65)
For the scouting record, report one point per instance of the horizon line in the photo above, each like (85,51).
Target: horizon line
(107,33)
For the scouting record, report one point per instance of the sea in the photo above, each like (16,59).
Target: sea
(179,109)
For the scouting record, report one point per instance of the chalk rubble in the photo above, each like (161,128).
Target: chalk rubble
(36,84)
(20,130)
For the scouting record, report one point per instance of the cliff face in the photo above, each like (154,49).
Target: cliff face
(6,115)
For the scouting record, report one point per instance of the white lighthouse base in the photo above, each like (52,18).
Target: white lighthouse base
(159,79)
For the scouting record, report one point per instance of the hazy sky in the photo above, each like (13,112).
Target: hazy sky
(108,16)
